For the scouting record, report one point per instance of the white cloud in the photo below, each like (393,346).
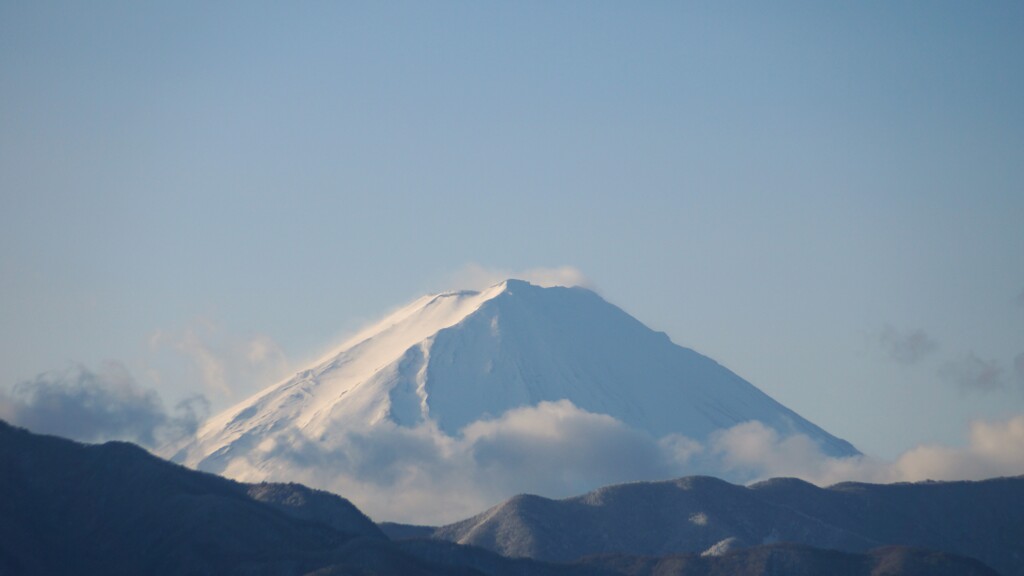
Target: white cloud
(210,366)
(261,349)
(556,449)
(561,276)
(476,277)
(227,365)
(421,475)
(753,449)
(994,449)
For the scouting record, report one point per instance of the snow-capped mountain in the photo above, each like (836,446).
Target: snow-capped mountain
(448,360)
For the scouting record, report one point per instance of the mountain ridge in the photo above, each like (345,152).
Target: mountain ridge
(114,509)
(979,519)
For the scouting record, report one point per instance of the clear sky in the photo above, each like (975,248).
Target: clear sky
(826,197)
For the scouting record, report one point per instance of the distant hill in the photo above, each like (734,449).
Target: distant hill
(768,560)
(794,560)
(114,509)
(983,520)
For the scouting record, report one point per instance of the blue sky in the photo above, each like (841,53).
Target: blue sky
(828,198)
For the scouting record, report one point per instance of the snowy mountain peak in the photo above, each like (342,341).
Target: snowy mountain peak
(449,363)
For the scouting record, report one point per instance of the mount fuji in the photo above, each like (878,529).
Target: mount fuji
(444,368)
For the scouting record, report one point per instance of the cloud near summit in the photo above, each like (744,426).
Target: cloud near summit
(476,277)
(226,364)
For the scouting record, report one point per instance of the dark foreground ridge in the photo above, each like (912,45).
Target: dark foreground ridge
(113,509)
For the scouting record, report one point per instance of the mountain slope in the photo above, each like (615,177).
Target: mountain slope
(792,560)
(114,509)
(448,361)
(769,560)
(984,520)
(648,519)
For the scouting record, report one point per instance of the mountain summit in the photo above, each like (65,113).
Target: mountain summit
(447,361)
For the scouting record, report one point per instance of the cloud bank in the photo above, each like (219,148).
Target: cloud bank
(994,449)
(556,449)
(422,475)
(100,405)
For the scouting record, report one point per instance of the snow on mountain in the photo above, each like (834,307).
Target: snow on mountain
(351,387)
(447,361)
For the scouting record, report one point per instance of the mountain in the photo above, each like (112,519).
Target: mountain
(768,560)
(115,509)
(69,508)
(983,520)
(691,514)
(447,361)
